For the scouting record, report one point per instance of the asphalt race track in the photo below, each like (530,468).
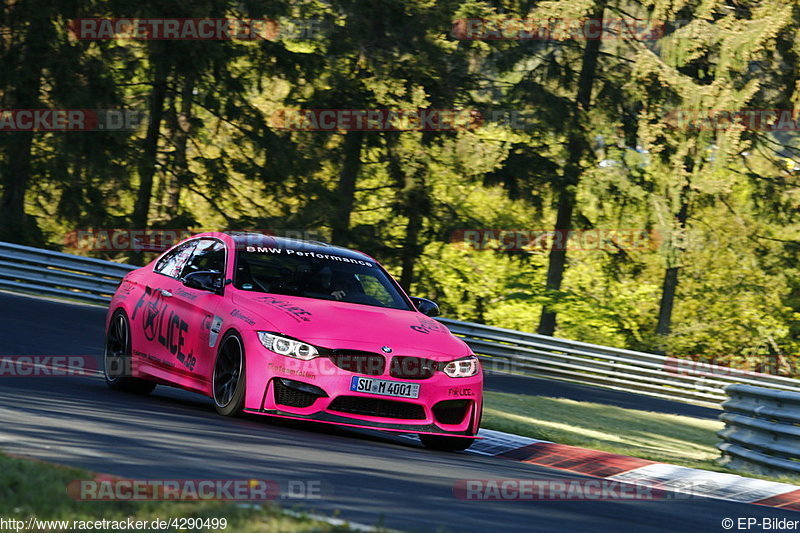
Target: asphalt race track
(368,477)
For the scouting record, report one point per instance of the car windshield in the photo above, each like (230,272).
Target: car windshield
(323,276)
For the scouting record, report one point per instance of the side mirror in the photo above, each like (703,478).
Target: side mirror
(204,280)
(425,306)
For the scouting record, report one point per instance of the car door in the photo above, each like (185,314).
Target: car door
(195,325)
(152,314)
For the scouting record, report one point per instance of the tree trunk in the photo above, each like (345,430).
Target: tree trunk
(147,165)
(411,202)
(410,251)
(668,289)
(16,172)
(413,208)
(557,259)
(670,285)
(181,124)
(346,188)
(576,148)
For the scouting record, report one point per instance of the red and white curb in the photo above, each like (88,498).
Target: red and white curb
(717,485)
(679,479)
(496,443)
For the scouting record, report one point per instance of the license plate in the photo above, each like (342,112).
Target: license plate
(384,387)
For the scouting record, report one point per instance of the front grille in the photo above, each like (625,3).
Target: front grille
(451,411)
(376,407)
(404,367)
(370,364)
(292,397)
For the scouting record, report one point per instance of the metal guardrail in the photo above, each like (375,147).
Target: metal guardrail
(603,366)
(48,273)
(762,430)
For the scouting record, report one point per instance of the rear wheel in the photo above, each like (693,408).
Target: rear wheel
(229,380)
(117,362)
(446,444)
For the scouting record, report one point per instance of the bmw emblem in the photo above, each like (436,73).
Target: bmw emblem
(386,349)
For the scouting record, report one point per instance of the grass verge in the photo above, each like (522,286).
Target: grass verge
(665,438)
(35,489)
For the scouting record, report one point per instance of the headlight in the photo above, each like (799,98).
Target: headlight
(288,347)
(462,368)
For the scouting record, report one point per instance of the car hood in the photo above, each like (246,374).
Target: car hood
(333,324)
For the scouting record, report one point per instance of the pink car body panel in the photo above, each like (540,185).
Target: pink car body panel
(176,333)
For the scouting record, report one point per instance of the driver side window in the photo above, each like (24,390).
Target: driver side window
(173,262)
(209,256)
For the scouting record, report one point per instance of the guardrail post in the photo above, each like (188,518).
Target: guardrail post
(762,430)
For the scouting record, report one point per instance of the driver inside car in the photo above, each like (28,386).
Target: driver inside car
(328,284)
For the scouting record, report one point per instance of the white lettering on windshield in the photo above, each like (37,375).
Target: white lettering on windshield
(300,253)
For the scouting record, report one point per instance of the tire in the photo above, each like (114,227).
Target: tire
(117,358)
(445,444)
(228,380)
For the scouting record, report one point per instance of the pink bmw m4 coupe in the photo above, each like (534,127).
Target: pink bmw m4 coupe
(293,329)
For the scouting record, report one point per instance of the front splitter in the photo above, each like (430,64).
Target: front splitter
(329,418)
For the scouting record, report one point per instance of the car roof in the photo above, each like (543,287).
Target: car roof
(259,239)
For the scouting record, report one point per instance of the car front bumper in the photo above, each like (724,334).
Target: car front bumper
(444,406)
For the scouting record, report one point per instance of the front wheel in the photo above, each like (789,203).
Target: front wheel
(229,376)
(445,444)
(117,362)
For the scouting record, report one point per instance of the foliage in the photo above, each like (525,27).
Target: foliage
(720,204)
